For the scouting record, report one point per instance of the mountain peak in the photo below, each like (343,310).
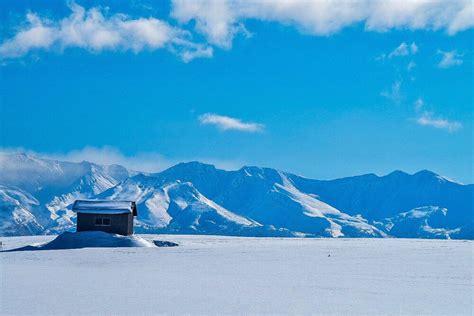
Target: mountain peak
(186,170)
(397,173)
(192,165)
(424,175)
(256,169)
(19,156)
(426,172)
(19,160)
(251,169)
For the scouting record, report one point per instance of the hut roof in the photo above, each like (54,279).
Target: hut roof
(104,207)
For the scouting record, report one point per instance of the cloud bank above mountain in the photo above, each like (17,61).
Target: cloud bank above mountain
(149,161)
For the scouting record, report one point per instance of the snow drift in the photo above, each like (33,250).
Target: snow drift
(92,239)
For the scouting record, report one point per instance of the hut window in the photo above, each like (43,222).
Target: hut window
(99,221)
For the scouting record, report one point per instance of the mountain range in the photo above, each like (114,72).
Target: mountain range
(36,195)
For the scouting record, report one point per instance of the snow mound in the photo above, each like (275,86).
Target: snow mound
(90,239)
(163,243)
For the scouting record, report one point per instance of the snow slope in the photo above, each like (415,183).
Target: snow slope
(424,222)
(232,275)
(178,206)
(16,212)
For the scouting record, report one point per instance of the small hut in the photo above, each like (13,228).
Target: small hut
(114,217)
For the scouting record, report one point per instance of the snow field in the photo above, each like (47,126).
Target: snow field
(229,275)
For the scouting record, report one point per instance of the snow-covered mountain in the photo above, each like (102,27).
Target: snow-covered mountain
(377,198)
(198,198)
(243,202)
(52,185)
(270,198)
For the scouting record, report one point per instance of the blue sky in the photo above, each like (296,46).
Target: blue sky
(302,88)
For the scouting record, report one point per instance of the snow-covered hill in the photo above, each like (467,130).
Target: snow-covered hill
(198,198)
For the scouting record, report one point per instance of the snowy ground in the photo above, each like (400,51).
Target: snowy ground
(217,275)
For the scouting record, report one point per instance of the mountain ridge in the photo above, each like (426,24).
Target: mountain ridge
(198,198)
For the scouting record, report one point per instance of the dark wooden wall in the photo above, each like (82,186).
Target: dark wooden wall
(119,223)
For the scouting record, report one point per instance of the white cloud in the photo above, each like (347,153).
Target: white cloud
(419,103)
(213,18)
(404,50)
(96,32)
(413,48)
(394,93)
(107,155)
(229,123)
(427,119)
(221,20)
(199,52)
(411,65)
(449,59)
